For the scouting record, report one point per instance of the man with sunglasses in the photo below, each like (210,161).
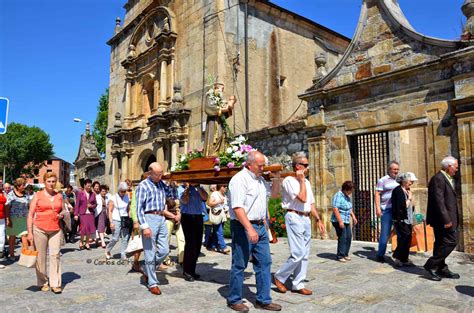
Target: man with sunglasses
(298,200)
(248,210)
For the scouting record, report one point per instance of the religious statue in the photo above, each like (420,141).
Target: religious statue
(217,130)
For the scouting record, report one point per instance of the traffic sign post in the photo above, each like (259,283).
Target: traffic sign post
(4,104)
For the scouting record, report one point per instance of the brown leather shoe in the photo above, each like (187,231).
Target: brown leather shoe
(280,286)
(155,290)
(240,307)
(303,291)
(268,306)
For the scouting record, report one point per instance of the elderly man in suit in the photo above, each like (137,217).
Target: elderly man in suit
(443,216)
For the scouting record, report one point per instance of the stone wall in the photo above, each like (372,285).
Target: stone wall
(279,143)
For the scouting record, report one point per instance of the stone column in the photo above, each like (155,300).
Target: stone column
(464,113)
(174,151)
(318,177)
(115,172)
(171,78)
(128,102)
(163,81)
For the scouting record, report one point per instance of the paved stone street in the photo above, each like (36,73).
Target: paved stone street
(360,285)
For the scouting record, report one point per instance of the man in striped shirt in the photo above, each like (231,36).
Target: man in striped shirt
(151,195)
(383,206)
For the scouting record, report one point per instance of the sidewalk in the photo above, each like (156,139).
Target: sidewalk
(90,285)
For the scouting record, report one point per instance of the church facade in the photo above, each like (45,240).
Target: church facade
(166,54)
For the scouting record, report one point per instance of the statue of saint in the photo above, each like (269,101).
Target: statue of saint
(217,129)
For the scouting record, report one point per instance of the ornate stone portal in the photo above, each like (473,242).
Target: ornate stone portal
(153,124)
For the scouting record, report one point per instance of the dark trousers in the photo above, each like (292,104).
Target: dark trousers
(403,241)
(445,242)
(74,226)
(344,239)
(192,229)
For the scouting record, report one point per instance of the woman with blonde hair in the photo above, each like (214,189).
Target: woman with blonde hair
(16,211)
(45,233)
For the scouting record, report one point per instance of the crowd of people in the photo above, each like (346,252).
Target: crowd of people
(155,209)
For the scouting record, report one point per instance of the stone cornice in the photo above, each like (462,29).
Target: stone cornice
(452,56)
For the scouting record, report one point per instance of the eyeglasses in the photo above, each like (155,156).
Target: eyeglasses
(306,165)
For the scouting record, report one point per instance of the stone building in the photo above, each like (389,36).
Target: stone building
(89,163)
(395,94)
(164,52)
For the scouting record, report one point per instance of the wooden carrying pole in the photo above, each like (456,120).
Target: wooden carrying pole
(223,176)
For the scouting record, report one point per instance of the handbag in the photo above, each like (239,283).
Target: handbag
(126,223)
(215,216)
(28,257)
(134,245)
(65,222)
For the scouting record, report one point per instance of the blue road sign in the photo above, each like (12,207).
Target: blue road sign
(4,103)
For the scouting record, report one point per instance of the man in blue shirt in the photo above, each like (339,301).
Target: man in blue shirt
(193,205)
(151,195)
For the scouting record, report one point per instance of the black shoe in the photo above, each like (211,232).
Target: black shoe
(196,276)
(188,277)
(433,275)
(448,274)
(380,259)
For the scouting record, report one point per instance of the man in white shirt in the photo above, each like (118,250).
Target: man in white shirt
(298,200)
(248,202)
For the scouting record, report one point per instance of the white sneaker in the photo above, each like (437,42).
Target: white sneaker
(342,260)
(347,258)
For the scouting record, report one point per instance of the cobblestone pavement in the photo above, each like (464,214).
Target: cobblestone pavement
(90,285)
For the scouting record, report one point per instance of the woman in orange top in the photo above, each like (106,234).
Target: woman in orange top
(45,232)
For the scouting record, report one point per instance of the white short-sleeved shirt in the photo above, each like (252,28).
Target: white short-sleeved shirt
(290,189)
(249,192)
(217,196)
(385,186)
(120,206)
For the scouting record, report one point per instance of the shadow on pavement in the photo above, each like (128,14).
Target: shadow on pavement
(467,290)
(69,277)
(329,256)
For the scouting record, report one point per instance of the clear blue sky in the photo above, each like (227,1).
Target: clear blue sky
(54,62)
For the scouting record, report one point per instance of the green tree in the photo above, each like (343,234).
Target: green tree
(23,150)
(100,125)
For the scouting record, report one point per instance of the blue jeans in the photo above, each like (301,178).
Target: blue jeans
(155,248)
(344,239)
(385,228)
(261,258)
(214,237)
(207,236)
(117,234)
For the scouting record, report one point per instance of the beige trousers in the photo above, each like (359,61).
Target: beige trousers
(179,238)
(43,242)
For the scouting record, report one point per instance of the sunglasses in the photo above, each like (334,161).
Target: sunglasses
(304,164)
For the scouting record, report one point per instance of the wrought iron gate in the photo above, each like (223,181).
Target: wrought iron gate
(369,154)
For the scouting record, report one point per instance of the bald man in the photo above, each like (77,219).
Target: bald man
(248,201)
(151,196)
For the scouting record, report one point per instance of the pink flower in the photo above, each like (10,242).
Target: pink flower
(230,165)
(217,160)
(245,163)
(190,151)
(199,150)
(217,168)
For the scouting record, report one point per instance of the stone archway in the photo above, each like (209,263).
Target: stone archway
(147,161)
